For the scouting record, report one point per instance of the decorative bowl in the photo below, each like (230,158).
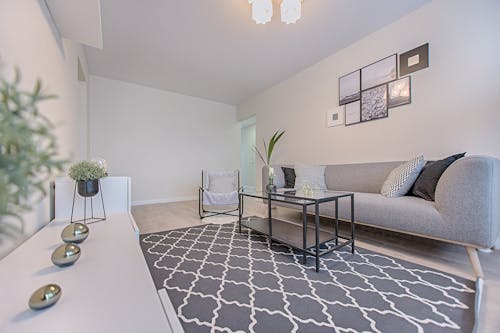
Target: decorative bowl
(75,233)
(66,255)
(45,296)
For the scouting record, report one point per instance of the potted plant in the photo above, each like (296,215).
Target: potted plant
(29,155)
(268,150)
(87,175)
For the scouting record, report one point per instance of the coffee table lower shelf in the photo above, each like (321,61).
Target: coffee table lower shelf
(291,234)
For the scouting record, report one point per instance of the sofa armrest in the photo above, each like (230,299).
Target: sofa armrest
(467,197)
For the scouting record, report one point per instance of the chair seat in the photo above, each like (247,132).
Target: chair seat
(220,199)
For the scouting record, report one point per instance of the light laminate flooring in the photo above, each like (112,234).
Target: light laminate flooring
(438,255)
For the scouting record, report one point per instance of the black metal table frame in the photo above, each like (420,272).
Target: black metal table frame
(317,253)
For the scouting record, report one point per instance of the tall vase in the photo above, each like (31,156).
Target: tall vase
(270,185)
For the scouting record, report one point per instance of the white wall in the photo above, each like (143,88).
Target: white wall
(159,138)
(29,40)
(455,102)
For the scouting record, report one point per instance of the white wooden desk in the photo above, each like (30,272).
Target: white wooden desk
(109,289)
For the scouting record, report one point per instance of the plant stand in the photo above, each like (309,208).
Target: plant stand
(92,218)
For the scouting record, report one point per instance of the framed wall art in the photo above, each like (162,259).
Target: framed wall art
(335,117)
(414,60)
(374,103)
(399,92)
(353,113)
(349,87)
(380,72)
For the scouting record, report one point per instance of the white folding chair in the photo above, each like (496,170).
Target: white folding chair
(219,188)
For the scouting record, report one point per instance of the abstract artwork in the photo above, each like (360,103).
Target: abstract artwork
(414,60)
(374,103)
(352,113)
(349,87)
(380,72)
(399,92)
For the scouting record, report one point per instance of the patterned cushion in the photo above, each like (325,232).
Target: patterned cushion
(401,179)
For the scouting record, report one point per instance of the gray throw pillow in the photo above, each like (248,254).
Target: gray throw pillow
(402,178)
(289,177)
(310,175)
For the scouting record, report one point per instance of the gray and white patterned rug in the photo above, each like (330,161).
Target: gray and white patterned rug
(219,280)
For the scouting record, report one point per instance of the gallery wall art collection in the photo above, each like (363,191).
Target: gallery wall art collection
(369,92)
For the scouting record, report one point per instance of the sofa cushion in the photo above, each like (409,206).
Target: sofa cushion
(289,177)
(359,177)
(402,178)
(406,214)
(425,185)
(311,175)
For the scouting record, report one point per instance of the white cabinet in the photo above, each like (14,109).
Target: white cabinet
(109,289)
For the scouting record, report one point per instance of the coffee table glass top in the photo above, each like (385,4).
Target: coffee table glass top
(298,196)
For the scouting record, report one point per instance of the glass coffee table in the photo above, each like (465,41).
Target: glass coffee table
(296,235)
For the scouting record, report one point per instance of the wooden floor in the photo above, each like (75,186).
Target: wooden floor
(438,255)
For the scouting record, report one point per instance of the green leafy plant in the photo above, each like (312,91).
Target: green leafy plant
(85,170)
(28,151)
(268,149)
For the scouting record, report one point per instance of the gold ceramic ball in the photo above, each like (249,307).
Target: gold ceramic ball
(45,296)
(66,254)
(75,233)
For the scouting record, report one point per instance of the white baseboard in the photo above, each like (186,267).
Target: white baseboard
(173,320)
(134,225)
(164,200)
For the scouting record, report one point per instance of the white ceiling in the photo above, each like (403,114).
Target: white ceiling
(212,49)
(78,20)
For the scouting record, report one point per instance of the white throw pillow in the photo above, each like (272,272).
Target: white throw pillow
(221,183)
(313,176)
(402,178)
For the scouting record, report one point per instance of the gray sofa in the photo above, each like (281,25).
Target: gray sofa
(466,210)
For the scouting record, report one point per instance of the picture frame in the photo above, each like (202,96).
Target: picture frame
(335,117)
(374,103)
(350,87)
(399,92)
(379,72)
(353,113)
(414,60)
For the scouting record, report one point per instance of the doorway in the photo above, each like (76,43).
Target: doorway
(248,163)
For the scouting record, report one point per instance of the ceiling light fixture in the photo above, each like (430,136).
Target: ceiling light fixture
(291,11)
(262,11)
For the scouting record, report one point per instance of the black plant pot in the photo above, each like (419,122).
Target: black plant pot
(88,188)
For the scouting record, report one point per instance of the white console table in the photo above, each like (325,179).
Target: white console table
(109,289)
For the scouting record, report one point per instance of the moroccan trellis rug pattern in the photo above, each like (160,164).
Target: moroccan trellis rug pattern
(219,280)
